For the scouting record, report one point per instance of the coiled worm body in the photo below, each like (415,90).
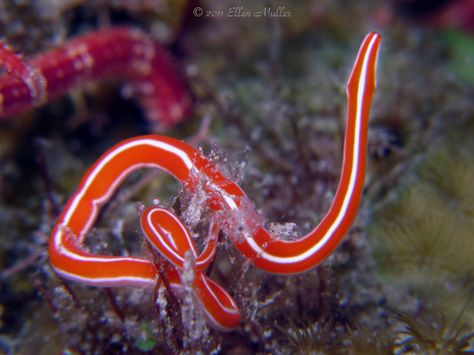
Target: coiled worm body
(238,217)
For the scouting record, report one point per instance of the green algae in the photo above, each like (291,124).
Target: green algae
(423,237)
(462,53)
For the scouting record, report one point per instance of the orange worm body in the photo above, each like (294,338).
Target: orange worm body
(238,217)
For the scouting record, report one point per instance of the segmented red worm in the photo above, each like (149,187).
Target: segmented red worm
(117,52)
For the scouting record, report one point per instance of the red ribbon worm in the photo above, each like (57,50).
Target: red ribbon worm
(237,216)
